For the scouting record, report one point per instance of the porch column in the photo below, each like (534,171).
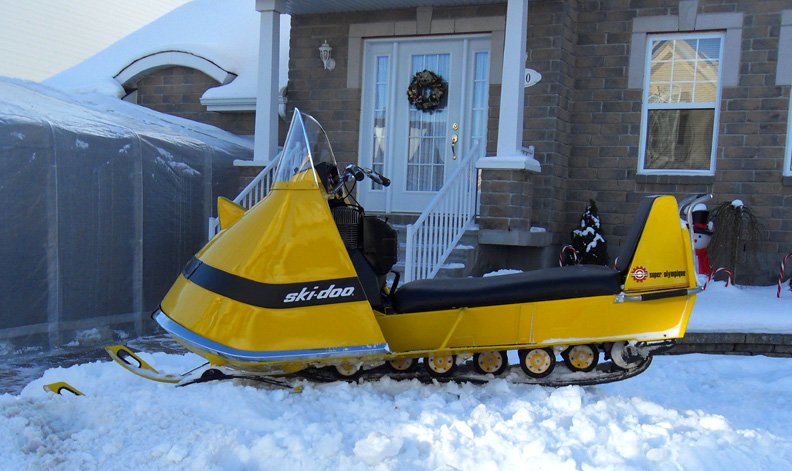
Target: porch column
(512,99)
(507,186)
(266,138)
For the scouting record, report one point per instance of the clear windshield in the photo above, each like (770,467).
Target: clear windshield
(306,147)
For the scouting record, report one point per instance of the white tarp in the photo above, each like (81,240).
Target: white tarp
(103,202)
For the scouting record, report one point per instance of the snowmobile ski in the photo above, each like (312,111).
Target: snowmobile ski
(60,387)
(207,373)
(125,357)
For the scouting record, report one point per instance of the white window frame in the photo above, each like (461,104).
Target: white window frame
(646,106)
(784,77)
(788,153)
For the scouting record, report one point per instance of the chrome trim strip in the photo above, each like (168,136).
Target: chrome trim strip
(191,338)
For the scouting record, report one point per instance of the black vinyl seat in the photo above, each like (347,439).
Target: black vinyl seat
(538,285)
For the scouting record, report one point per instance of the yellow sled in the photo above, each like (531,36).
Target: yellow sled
(299,281)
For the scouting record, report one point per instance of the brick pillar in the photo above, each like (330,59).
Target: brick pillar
(505,200)
(507,203)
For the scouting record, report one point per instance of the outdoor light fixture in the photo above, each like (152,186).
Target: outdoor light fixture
(324,54)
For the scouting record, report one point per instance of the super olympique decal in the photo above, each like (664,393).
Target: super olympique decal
(640,274)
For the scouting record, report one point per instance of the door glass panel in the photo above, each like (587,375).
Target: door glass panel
(480,100)
(427,141)
(380,113)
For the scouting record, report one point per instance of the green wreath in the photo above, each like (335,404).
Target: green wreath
(426,90)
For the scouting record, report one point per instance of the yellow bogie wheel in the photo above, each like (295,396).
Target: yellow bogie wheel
(440,366)
(494,363)
(537,362)
(346,370)
(581,357)
(402,365)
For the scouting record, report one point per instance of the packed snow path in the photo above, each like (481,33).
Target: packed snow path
(691,412)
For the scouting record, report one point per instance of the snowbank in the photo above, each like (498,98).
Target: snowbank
(680,414)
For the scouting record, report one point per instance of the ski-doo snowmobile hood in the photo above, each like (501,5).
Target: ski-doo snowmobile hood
(276,284)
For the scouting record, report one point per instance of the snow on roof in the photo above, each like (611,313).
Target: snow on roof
(220,33)
(95,113)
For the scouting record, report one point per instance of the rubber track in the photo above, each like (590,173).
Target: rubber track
(604,373)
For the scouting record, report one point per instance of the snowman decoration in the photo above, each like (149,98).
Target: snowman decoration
(702,234)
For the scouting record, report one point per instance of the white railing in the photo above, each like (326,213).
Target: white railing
(252,194)
(437,231)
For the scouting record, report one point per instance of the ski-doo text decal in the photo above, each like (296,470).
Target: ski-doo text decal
(273,296)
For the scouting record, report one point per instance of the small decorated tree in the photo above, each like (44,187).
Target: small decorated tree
(588,239)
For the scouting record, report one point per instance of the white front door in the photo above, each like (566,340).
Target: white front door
(414,147)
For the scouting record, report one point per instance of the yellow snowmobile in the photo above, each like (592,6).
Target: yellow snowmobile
(298,285)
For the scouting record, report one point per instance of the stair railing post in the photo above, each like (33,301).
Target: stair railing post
(409,260)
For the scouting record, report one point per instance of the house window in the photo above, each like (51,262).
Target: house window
(788,158)
(681,104)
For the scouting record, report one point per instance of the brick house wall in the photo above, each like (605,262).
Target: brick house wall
(584,117)
(177,91)
(323,93)
(607,121)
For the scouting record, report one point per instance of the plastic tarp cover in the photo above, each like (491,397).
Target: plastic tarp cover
(102,205)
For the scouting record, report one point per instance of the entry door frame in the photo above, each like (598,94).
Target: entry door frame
(396,108)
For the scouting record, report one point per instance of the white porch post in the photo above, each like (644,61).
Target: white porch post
(510,121)
(266,138)
(510,224)
(513,80)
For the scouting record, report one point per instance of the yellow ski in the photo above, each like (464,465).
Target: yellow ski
(60,387)
(125,357)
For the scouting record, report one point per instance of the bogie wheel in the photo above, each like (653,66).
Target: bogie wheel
(403,365)
(347,371)
(440,366)
(581,357)
(490,363)
(625,356)
(537,362)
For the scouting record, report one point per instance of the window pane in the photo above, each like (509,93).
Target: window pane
(380,113)
(679,139)
(427,135)
(684,70)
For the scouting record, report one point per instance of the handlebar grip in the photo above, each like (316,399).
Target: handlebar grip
(377,177)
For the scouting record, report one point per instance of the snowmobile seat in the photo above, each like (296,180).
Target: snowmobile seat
(538,285)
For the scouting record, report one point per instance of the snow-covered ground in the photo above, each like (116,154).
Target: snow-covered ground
(754,309)
(692,412)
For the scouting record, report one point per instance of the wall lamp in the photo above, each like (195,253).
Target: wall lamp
(324,54)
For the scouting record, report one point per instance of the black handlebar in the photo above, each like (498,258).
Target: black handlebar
(352,171)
